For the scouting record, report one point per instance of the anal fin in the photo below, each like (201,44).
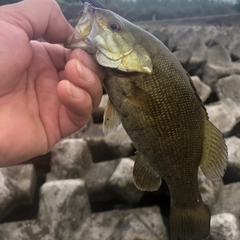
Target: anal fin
(111,119)
(144,176)
(214,158)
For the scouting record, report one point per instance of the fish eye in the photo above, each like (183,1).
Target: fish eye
(115,26)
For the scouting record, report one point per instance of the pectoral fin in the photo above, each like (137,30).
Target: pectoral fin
(111,119)
(144,176)
(214,159)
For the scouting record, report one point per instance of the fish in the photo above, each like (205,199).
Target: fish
(155,100)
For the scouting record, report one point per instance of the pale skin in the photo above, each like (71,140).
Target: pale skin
(47,91)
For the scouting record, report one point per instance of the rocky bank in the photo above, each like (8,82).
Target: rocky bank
(84,189)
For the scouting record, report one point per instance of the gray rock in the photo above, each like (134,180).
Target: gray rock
(209,190)
(222,39)
(17,187)
(24,230)
(224,114)
(162,36)
(228,201)
(211,73)
(228,87)
(64,207)
(121,182)
(199,55)
(119,142)
(109,225)
(183,56)
(132,229)
(71,158)
(236,67)
(203,89)
(8,198)
(24,178)
(233,169)
(235,50)
(116,144)
(219,55)
(97,181)
(151,217)
(225,226)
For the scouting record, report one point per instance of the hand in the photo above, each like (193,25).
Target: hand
(47,92)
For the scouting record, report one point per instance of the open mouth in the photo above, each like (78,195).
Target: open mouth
(83,27)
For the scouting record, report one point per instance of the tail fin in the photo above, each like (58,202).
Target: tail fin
(189,223)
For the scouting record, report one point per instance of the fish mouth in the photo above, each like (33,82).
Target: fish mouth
(83,27)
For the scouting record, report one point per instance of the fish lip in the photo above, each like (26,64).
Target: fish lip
(75,37)
(90,8)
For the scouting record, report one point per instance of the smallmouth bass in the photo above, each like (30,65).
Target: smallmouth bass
(157,103)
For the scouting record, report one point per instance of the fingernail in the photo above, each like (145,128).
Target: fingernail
(79,68)
(73,91)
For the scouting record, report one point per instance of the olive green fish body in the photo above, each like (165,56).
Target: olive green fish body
(154,98)
(163,115)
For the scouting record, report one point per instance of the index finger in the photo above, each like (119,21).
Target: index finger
(41,18)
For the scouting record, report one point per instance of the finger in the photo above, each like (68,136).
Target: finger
(58,54)
(84,78)
(41,18)
(76,108)
(88,61)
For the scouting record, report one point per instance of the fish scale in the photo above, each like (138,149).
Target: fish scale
(156,101)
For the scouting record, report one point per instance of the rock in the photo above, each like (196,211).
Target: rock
(97,179)
(235,130)
(209,190)
(222,39)
(223,114)
(235,51)
(233,169)
(198,58)
(132,229)
(64,207)
(115,145)
(203,89)
(228,201)
(228,87)
(211,73)
(116,224)
(119,142)
(151,217)
(121,182)
(162,36)
(183,56)
(24,178)
(218,55)
(225,226)
(8,197)
(71,158)
(17,187)
(24,230)
(236,67)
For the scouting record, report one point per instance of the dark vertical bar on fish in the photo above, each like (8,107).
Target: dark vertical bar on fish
(94,3)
